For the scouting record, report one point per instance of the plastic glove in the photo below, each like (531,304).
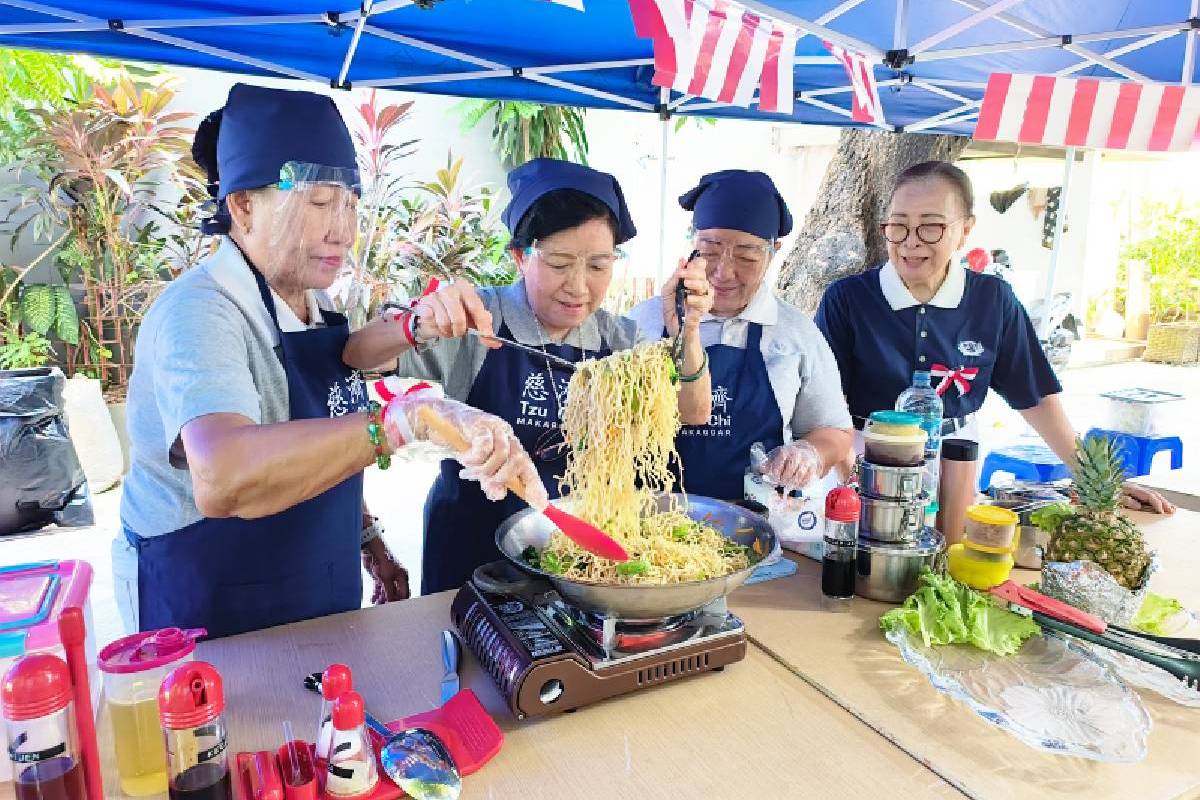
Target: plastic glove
(793,465)
(495,457)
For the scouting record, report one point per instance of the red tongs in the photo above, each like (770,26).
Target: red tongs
(1034,600)
(1176,656)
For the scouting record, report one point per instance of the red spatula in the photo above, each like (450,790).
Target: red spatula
(584,534)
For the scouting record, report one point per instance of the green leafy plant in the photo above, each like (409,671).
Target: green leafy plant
(449,231)
(111,159)
(523,131)
(1172,257)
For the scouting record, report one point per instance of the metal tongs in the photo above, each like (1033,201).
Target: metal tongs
(554,361)
(1179,657)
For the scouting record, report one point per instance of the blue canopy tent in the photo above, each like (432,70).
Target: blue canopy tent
(931,58)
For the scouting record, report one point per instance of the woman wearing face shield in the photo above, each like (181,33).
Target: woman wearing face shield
(921,311)
(243,506)
(567,222)
(774,380)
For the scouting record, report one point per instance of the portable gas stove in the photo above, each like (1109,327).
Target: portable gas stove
(547,656)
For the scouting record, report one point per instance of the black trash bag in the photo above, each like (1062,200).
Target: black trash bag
(41,480)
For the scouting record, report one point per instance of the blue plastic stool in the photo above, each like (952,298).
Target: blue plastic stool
(1138,451)
(1029,462)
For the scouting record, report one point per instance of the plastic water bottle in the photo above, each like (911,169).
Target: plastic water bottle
(923,400)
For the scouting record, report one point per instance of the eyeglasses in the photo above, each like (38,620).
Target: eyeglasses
(746,255)
(557,259)
(927,232)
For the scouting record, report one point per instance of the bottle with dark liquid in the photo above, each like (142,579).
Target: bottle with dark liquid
(191,704)
(841,545)
(40,722)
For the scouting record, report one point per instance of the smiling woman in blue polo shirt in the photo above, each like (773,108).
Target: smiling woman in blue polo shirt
(920,311)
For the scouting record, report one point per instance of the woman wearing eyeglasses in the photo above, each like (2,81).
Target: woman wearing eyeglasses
(774,380)
(567,222)
(922,311)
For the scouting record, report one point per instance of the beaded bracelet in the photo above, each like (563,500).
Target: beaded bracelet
(698,373)
(383,459)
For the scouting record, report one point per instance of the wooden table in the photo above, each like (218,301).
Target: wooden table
(822,707)
(844,657)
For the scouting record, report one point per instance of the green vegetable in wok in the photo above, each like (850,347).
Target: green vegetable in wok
(632,567)
(531,557)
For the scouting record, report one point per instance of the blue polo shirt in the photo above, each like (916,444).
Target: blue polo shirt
(973,334)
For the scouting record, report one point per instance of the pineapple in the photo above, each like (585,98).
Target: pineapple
(1097,532)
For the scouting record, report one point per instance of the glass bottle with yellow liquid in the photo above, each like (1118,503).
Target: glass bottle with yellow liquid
(133,669)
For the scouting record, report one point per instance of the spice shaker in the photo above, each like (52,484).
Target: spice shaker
(336,680)
(351,769)
(40,720)
(191,703)
(959,457)
(841,544)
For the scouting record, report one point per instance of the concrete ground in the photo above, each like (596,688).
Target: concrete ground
(397,496)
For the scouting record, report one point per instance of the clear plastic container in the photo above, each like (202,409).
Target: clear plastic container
(39,720)
(192,705)
(134,668)
(1142,412)
(992,527)
(890,450)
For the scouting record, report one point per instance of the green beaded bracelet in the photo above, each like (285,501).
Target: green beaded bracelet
(383,459)
(696,376)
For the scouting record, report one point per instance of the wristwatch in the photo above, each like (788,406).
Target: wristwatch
(371,532)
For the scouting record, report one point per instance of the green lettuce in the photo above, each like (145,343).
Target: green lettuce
(1153,615)
(1050,517)
(944,611)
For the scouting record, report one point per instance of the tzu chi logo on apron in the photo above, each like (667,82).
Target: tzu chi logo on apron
(538,407)
(720,422)
(348,395)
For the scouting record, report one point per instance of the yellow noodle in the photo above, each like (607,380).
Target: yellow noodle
(621,418)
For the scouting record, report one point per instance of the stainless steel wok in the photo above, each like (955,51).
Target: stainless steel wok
(639,602)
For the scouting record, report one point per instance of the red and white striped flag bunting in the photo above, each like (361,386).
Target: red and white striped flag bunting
(866,104)
(1088,112)
(719,50)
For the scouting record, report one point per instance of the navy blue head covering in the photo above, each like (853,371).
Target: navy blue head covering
(244,144)
(535,178)
(741,201)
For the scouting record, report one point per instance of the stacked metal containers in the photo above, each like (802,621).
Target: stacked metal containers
(895,544)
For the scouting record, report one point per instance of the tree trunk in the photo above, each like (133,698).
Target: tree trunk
(840,236)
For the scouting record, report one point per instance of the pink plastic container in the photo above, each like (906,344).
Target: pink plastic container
(32,597)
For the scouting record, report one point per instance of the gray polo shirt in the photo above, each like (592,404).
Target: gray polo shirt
(455,363)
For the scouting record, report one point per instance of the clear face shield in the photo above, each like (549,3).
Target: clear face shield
(314,224)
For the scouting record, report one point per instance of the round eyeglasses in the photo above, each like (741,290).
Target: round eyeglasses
(927,232)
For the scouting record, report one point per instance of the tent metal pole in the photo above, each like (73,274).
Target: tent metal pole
(354,40)
(229,55)
(1122,50)
(1189,50)
(936,89)
(483,74)
(980,16)
(1033,30)
(835,12)
(1053,41)
(900,31)
(1048,296)
(934,121)
(664,98)
(382,7)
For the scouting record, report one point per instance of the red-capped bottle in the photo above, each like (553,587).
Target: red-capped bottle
(191,704)
(40,719)
(335,682)
(841,544)
(350,769)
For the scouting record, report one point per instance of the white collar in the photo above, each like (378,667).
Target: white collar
(948,295)
(762,309)
(228,268)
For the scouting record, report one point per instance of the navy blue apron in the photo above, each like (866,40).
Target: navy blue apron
(234,575)
(460,522)
(715,456)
